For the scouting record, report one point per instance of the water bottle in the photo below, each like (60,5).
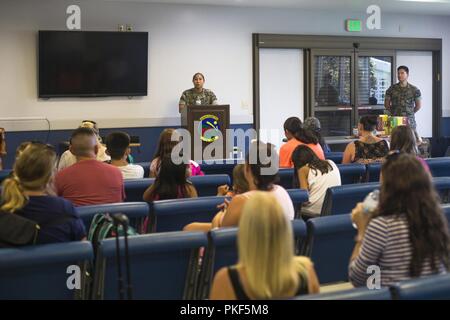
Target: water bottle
(370,203)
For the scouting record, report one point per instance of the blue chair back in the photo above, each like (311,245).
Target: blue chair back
(218,168)
(435,287)
(4,174)
(135,211)
(298,196)
(330,244)
(205,186)
(41,271)
(342,199)
(335,156)
(350,294)
(162,266)
(222,251)
(286,176)
(352,173)
(439,167)
(373,172)
(173,215)
(442,185)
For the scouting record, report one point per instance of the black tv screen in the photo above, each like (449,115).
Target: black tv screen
(92,64)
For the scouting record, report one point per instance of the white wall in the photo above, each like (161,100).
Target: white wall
(422,78)
(281,91)
(182,40)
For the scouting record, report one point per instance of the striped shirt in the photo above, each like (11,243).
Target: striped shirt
(386,244)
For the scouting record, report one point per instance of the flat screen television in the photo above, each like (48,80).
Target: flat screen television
(92,64)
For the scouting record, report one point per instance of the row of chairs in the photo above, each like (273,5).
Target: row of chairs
(436,287)
(342,199)
(170,215)
(165,265)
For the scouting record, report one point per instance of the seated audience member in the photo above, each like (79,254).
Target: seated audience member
(2,146)
(314,175)
(28,213)
(240,184)
(171,183)
(267,267)
(118,148)
(296,135)
(89,181)
(164,149)
(67,158)
(261,173)
(404,140)
(313,125)
(407,235)
(368,148)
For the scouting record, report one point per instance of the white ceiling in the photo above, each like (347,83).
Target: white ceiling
(438,7)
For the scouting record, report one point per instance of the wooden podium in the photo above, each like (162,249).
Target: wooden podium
(204,122)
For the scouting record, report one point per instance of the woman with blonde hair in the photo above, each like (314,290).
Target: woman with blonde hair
(267,267)
(26,195)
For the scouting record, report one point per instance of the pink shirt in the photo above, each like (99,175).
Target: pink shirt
(90,182)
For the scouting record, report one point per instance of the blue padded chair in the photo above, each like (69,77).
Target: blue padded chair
(218,168)
(350,294)
(162,266)
(135,188)
(135,211)
(373,172)
(342,199)
(352,172)
(222,251)
(335,156)
(442,185)
(205,186)
(439,167)
(173,215)
(286,176)
(298,196)
(146,166)
(436,287)
(330,244)
(40,271)
(4,174)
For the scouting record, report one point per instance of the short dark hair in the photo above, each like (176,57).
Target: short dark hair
(292,124)
(117,144)
(82,131)
(369,123)
(403,68)
(198,74)
(264,182)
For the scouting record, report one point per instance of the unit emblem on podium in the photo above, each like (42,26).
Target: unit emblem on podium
(208,128)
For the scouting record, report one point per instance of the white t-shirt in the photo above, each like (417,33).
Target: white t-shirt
(283,199)
(318,185)
(132,171)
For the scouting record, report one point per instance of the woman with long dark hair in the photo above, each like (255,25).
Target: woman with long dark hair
(296,135)
(171,183)
(407,235)
(314,175)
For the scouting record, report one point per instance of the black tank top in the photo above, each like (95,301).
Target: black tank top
(239,290)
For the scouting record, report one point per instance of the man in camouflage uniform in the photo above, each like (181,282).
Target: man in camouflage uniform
(197,95)
(403,99)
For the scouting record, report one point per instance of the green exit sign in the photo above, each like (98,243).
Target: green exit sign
(353,25)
